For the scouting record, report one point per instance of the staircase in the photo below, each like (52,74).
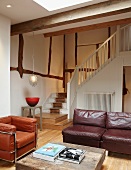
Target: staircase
(54,114)
(93,64)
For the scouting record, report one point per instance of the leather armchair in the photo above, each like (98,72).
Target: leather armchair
(18,135)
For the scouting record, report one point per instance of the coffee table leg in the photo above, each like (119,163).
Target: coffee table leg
(41,118)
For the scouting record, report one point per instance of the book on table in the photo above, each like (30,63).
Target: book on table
(48,152)
(72,155)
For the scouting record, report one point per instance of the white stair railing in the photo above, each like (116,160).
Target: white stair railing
(125,43)
(94,63)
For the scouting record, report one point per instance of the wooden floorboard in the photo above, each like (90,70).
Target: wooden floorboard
(112,162)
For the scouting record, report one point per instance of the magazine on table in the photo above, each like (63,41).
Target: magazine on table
(72,155)
(49,151)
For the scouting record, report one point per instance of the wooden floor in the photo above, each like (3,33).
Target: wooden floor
(112,162)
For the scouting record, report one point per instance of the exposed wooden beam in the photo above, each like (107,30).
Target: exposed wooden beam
(64,52)
(36,73)
(76,42)
(70,70)
(89,27)
(50,51)
(20,55)
(84,45)
(104,9)
(109,44)
(97,57)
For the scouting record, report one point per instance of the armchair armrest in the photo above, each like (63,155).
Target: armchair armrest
(7,128)
(24,123)
(7,137)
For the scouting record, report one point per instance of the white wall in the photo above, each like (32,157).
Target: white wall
(108,80)
(4,66)
(127,65)
(127,97)
(20,88)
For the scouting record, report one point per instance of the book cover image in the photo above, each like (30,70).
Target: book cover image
(72,155)
(50,149)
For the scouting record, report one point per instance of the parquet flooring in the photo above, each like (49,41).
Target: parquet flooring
(112,162)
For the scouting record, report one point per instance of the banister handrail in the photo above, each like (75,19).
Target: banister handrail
(98,49)
(125,26)
(125,34)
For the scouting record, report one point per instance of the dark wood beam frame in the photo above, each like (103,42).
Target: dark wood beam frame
(20,62)
(64,55)
(89,27)
(76,42)
(97,57)
(20,55)
(36,73)
(50,52)
(100,10)
(71,70)
(109,44)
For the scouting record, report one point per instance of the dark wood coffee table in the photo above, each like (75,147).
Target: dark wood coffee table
(93,160)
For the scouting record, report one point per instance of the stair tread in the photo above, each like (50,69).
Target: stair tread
(51,115)
(53,108)
(58,102)
(60,97)
(62,93)
(64,122)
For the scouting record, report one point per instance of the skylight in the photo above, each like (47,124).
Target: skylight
(51,5)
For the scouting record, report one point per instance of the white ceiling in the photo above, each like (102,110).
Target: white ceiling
(24,10)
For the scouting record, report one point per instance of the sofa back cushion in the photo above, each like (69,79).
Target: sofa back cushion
(118,120)
(89,117)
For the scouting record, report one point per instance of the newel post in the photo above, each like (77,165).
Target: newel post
(68,100)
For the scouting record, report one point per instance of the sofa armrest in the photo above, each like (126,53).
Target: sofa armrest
(24,123)
(7,128)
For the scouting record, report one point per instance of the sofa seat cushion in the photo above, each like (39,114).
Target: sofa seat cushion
(117,136)
(87,132)
(24,138)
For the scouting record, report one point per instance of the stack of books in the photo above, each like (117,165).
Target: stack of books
(72,155)
(48,152)
(51,152)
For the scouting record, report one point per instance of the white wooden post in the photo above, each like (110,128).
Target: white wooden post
(68,100)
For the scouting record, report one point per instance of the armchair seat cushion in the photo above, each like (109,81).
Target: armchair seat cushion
(86,132)
(117,136)
(24,138)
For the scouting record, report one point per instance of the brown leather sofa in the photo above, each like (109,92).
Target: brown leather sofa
(108,130)
(18,135)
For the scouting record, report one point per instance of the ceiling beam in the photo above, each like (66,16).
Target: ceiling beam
(104,9)
(89,27)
